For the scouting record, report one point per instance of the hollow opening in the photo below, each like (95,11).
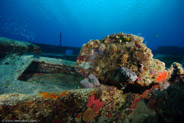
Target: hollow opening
(52,74)
(68,52)
(5,51)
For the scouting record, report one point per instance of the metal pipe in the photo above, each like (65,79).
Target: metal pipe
(60,39)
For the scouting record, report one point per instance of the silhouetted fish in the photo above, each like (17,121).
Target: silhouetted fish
(139,34)
(155,35)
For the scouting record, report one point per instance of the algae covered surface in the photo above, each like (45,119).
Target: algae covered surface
(115,79)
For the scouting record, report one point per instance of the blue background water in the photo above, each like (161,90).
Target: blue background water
(160,22)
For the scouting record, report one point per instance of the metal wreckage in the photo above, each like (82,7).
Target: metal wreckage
(115,79)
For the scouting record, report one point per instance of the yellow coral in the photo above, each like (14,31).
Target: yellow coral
(124,58)
(117,36)
(102,47)
(97,69)
(90,44)
(91,52)
(126,38)
(148,51)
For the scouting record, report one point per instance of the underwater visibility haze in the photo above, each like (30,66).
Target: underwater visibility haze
(92,61)
(160,22)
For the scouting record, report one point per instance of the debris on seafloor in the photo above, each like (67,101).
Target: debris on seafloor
(121,80)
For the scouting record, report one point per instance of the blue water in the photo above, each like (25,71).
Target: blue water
(160,22)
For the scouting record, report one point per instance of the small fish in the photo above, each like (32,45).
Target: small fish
(155,35)
(139,34)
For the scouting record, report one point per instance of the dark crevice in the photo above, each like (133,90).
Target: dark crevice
(136,88)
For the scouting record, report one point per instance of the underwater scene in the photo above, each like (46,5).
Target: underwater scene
(92,61)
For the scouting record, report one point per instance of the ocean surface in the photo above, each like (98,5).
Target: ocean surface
(160,22)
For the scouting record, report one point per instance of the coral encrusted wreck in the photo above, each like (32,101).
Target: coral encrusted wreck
(119,59)
(122,83)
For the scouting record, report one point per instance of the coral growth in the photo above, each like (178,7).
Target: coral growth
(168,103)
(131,81)
(95,103)
(88,115)
(52,95)
(162,76)
(103,57)
(90,82)
(124,58)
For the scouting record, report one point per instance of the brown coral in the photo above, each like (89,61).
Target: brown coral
(102,47)
(1,108)
(90,44)
(107,40)
(97,69)
(88,115)
(96,43)
(124,58)
(113,49)
(141,56)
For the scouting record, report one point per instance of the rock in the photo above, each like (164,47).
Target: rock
(85,83)
(94,80)
(126,75)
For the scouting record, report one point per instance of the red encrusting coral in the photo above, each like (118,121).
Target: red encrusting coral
(64,70)
(119,116)
(135,102)
(89,105)
(97,104)
(139,78)
(145,94)
(109,115)
(162,76)
(41,73)
(156,86)
(78,116)
(81,58)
